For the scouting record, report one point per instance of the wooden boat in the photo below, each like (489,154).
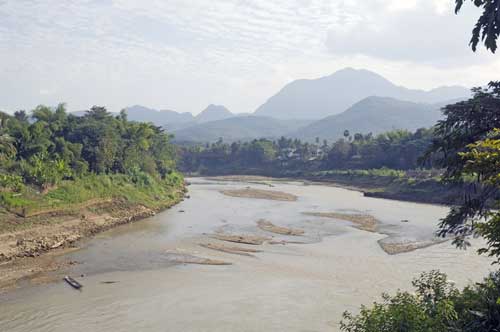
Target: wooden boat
(72,282)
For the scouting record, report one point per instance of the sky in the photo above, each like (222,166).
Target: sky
(185,54)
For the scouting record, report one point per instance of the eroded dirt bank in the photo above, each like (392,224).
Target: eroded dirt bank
(27,253)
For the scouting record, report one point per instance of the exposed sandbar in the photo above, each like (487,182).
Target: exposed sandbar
(191,259)
(229,249)
(270,227)
(363,222)
(260,194)
(245,239)
(394,248)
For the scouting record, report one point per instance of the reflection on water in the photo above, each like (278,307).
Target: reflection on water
(293,287)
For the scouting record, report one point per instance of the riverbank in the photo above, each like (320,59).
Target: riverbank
(418,187)
(157,274)
(410,186)
(31,241)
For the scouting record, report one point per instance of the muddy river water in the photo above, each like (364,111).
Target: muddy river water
(132,279)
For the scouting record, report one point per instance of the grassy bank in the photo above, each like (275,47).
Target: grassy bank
(27,206)
(34,224)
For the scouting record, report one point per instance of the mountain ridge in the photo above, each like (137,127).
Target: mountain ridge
(213,113)
(332,94)
(238,128)
(372,115)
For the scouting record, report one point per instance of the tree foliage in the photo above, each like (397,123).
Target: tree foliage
(50,145)
(435,306)
(467,141)
(487,28)
(397,149)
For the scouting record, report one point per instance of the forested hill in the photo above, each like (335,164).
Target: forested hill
(51,152)
(372,115)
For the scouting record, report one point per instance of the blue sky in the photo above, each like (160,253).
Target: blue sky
(186,54)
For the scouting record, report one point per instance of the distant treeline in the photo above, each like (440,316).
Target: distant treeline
(399,149)
(49,145)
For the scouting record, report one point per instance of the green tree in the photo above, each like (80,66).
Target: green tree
(463,143)
(49,146)
(487,27)
(435,306)
(7,148)
(483,162)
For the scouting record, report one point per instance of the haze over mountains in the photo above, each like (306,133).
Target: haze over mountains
(238,128)
(318,98)
(357,100)
(141,113)
(372,115)
(213,113)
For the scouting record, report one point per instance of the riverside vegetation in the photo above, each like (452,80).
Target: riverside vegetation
(49,158)
(57,169)
(388,165)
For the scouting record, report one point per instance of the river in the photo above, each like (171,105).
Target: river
(131,282)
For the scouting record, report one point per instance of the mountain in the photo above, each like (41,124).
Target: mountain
(372,115)
(160,118)
(78,113)
(144,114)
(237,128)
(213,113)
(318,98)
(172,120)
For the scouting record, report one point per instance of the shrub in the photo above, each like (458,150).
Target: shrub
(436,306)
(11,182)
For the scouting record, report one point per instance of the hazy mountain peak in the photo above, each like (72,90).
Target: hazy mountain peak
(372,115)
(378,100)
(214,113)
(158,117)
(352,72)
(318,98)
(237,128)
(140,108)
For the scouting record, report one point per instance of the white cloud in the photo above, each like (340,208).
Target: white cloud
(425,32)
(185,54)
(398,5)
